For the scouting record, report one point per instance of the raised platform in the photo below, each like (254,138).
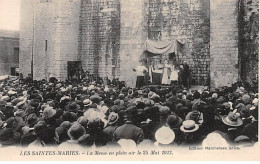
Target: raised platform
(192,87)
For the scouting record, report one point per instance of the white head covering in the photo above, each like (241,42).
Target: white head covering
(214,139)
(164,135)
(127,143)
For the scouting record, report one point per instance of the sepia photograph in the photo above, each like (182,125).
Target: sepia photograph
(136,80)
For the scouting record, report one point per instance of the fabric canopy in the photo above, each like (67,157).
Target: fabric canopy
(153,48)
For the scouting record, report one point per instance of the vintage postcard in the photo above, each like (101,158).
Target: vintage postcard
(136,80)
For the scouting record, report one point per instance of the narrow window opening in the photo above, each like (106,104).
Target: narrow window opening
(46,45)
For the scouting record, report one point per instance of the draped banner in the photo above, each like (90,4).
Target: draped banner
(152,48)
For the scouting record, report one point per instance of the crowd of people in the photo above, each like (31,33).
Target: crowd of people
(102,113)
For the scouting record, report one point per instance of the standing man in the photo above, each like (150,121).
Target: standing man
(141,72)
(129,130)
(185,74)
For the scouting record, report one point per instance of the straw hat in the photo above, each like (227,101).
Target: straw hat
(112,118)
(48,112)
(189,126)
(87,102)
(232,119)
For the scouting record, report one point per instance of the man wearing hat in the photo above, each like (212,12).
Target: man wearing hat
(185,74)
(31,120)
(73,107)
(86,141)
(155,124)
(112,125)
(191,134)
(29,135)
(174,122)
(95,127)
(9,137)
(96,99)
(233,124)
(74,133)
(195,116)
(14,123)
(45,135)
(8,111)
(36,104)
(87,103)
(164,111)
(129,130)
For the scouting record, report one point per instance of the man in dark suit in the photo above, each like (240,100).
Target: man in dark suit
(129,130)
(185,74)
